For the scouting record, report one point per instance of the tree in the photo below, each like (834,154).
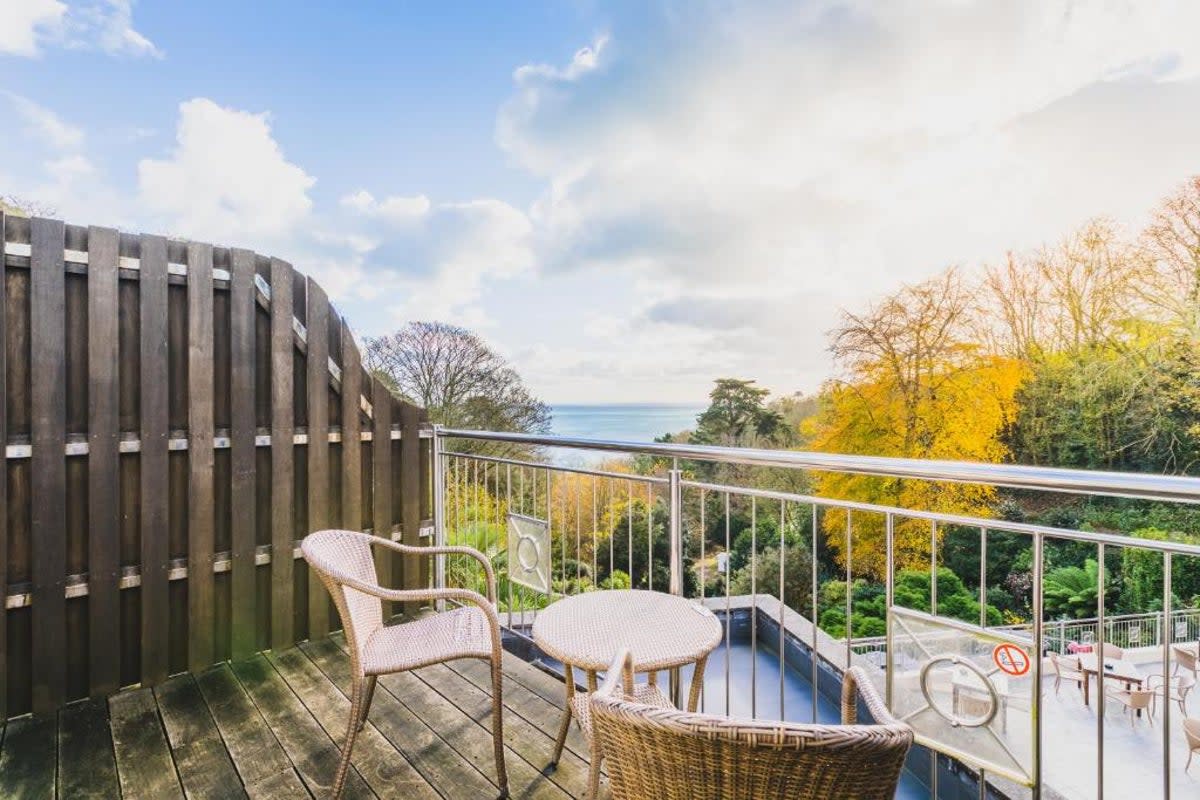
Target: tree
(457,377)
(737,416)
(1072,591)
(1172,245)
(916,386)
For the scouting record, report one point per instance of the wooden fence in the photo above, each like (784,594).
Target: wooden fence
(175,417)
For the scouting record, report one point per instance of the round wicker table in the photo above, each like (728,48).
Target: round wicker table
(661,631)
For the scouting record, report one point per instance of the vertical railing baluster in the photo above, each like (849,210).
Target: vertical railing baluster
(1166,673)
(507,543)
(849,586)
(595,570)
(728,612)
(754,607)
(889,600)
(782,644)
(675,531)
(1101,638)
(1039,649)
(629,514)
(814,653)
(650,536)
(983,577)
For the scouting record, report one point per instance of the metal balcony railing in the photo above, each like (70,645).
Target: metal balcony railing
(671,532)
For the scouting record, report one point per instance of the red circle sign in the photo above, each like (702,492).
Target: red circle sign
(1011,659)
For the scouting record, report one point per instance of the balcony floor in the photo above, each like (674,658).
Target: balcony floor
(270,727)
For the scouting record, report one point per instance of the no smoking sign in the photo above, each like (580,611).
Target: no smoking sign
(1011,660)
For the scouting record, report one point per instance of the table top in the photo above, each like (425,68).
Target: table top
(1122,670)
(662,631)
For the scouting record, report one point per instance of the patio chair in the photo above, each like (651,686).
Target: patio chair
(1191,732)
(343,560)
(1112,651)
(1134,700)
(1066,668)
(1185,657)
(1176,690)
(664,753)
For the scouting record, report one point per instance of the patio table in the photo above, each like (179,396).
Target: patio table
(662,631)
(1117,669)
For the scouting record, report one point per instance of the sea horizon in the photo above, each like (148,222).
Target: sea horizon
(629,421)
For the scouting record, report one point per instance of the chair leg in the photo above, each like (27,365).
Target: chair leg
(594,774)
(498,725)
(352,726)
(565,726)
(369,696)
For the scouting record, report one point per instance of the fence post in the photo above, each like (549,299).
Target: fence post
(439,512)
(675,530)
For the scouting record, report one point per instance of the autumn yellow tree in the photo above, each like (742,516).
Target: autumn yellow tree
(915,386)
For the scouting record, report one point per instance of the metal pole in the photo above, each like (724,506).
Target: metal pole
(889,579)
(1038,567)
(675,524)
(1166,667)
(1100,640)
(439,513)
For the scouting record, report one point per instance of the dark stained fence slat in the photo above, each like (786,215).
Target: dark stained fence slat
(282,456)
(104,663)
(86,767)
(318,445)
(242,311)
(352,511)
(201,496)
(49,473)
(381,473)
(154,497)
(410,491)
(3,467)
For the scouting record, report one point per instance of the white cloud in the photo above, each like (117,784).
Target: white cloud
(44,124)
(761,166)
(226,180)
(24,24)
(107,25)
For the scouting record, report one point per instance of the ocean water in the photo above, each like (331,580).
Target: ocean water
(633,422)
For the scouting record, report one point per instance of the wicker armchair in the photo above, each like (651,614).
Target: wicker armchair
(664,754)
(1066,668)
(344,562)
(1185,656)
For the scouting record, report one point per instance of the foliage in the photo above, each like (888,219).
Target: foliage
(457,377)
(762,577)
(912,589)
(1142,574)
(917,388)
(1072,591)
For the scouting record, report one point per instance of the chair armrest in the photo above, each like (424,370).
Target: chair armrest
(620,673)
(470,552)
(416,595)
(856,683)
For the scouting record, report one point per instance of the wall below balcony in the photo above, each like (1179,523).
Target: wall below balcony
(174,418)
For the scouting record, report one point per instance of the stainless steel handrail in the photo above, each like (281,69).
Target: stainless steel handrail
(1172,488)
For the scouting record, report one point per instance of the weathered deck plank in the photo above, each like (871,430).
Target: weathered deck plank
(200,755)
(256,753)
(27,759)
(533,706)
(532,742)
(423,745)
(310,749)
(144,763)
(270,726)
(86,766)
(386,771)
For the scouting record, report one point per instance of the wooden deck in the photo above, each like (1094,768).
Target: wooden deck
(270,727)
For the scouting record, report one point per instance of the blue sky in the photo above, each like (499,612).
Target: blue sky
(628,200)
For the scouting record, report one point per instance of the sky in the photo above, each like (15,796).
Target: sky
(628,200)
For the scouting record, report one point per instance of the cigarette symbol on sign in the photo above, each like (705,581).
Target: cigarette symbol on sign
(1011,659)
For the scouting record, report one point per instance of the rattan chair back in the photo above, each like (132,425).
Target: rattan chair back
(664,754)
